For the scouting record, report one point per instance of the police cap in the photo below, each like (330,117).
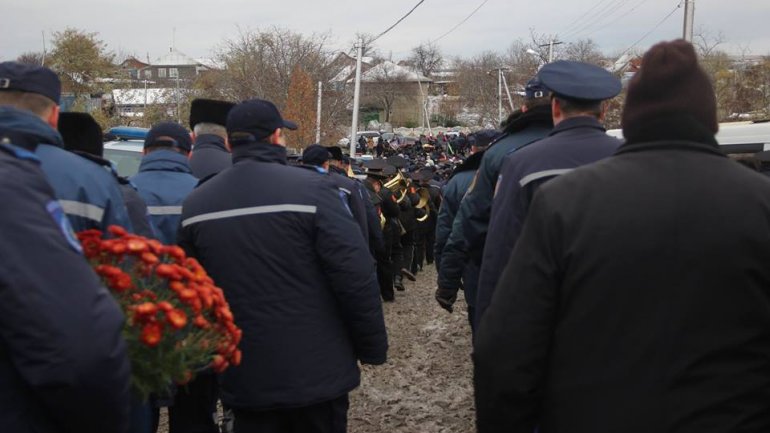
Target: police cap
(257,117)
(578,80)
(535,89)
(209,111)
(30,79)
(336,152)
(160,134)
(315,154)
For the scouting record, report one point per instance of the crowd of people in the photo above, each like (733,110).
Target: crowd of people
(616,286)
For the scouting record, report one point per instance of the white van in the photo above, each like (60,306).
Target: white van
(735,137)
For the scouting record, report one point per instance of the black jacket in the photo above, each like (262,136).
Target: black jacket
(637,298)
(63,361)
(300,286)
(209,156)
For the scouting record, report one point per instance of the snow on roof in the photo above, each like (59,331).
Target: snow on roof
(175,58)
(389,70)
(210,63)
(137,96)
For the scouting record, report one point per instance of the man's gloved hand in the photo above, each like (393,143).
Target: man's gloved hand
(446,298)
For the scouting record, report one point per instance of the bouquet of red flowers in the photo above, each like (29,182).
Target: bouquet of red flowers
(177,320)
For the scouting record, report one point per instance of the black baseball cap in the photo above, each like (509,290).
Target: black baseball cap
(256,117)
(31,79)
(179,136)
(315,154)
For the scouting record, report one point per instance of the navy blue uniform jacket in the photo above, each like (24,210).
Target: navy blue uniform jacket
(164,181)
(279,242)
(63,361)
(573,142)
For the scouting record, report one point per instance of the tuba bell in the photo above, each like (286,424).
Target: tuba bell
(399,186)
(424,203)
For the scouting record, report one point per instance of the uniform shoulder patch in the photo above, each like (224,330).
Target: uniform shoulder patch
(60,218)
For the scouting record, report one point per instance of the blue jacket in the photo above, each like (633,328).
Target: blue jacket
(573,142)
(63,361)
(88,193)
(277,239)
(164,180)
(469,229)
(209,156)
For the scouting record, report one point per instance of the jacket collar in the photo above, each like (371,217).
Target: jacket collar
(165,160)
(540,115)
(577,122)
(209,141)
(26,130)
(668,132)
(261,152)
(473,162)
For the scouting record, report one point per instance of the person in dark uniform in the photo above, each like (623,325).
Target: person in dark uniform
(165,179)
(636,299)
(210,152)
(453,193)
(83,136)
(579,92)
(391,256)
(469,229)
(317,158)
(63,364)
(89,195)
(277,239)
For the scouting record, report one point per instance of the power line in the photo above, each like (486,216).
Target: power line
(614,20)
(574,23)
(461,22)
(397,22)
(679,5)
(600,15)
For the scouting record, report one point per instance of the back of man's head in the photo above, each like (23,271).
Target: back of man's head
(32,88)
(168,136)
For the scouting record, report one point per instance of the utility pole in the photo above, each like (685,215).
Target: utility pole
(550,45)
(508,92)
(318,114)
(356,96)
(499,96)
(689,19)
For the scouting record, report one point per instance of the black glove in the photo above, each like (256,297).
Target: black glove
(446,298)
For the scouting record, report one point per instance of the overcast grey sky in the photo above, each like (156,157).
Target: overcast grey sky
(143,27)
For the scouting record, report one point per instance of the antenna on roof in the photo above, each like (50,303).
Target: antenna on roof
(173,39)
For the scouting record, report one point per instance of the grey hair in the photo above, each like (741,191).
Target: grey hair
(210,128)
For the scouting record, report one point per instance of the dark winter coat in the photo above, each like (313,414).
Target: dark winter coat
(277,240)
(469,229)
(63,361)
(164,180)
(573,142)
(87,192)
(636,299)
(209,156)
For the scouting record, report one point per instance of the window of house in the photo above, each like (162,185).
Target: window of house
(173,72)
(148,73)
(161,72)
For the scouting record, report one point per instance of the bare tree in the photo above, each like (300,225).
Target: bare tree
(426,58)
(477,88)
(31,58)
(584,50)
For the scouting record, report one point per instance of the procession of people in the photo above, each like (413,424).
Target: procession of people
(611,285)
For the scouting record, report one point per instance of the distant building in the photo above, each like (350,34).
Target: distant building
(396,93)
(173,66)
(132,68)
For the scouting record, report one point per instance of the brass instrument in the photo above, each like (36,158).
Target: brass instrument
(399,186)
(424,203)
